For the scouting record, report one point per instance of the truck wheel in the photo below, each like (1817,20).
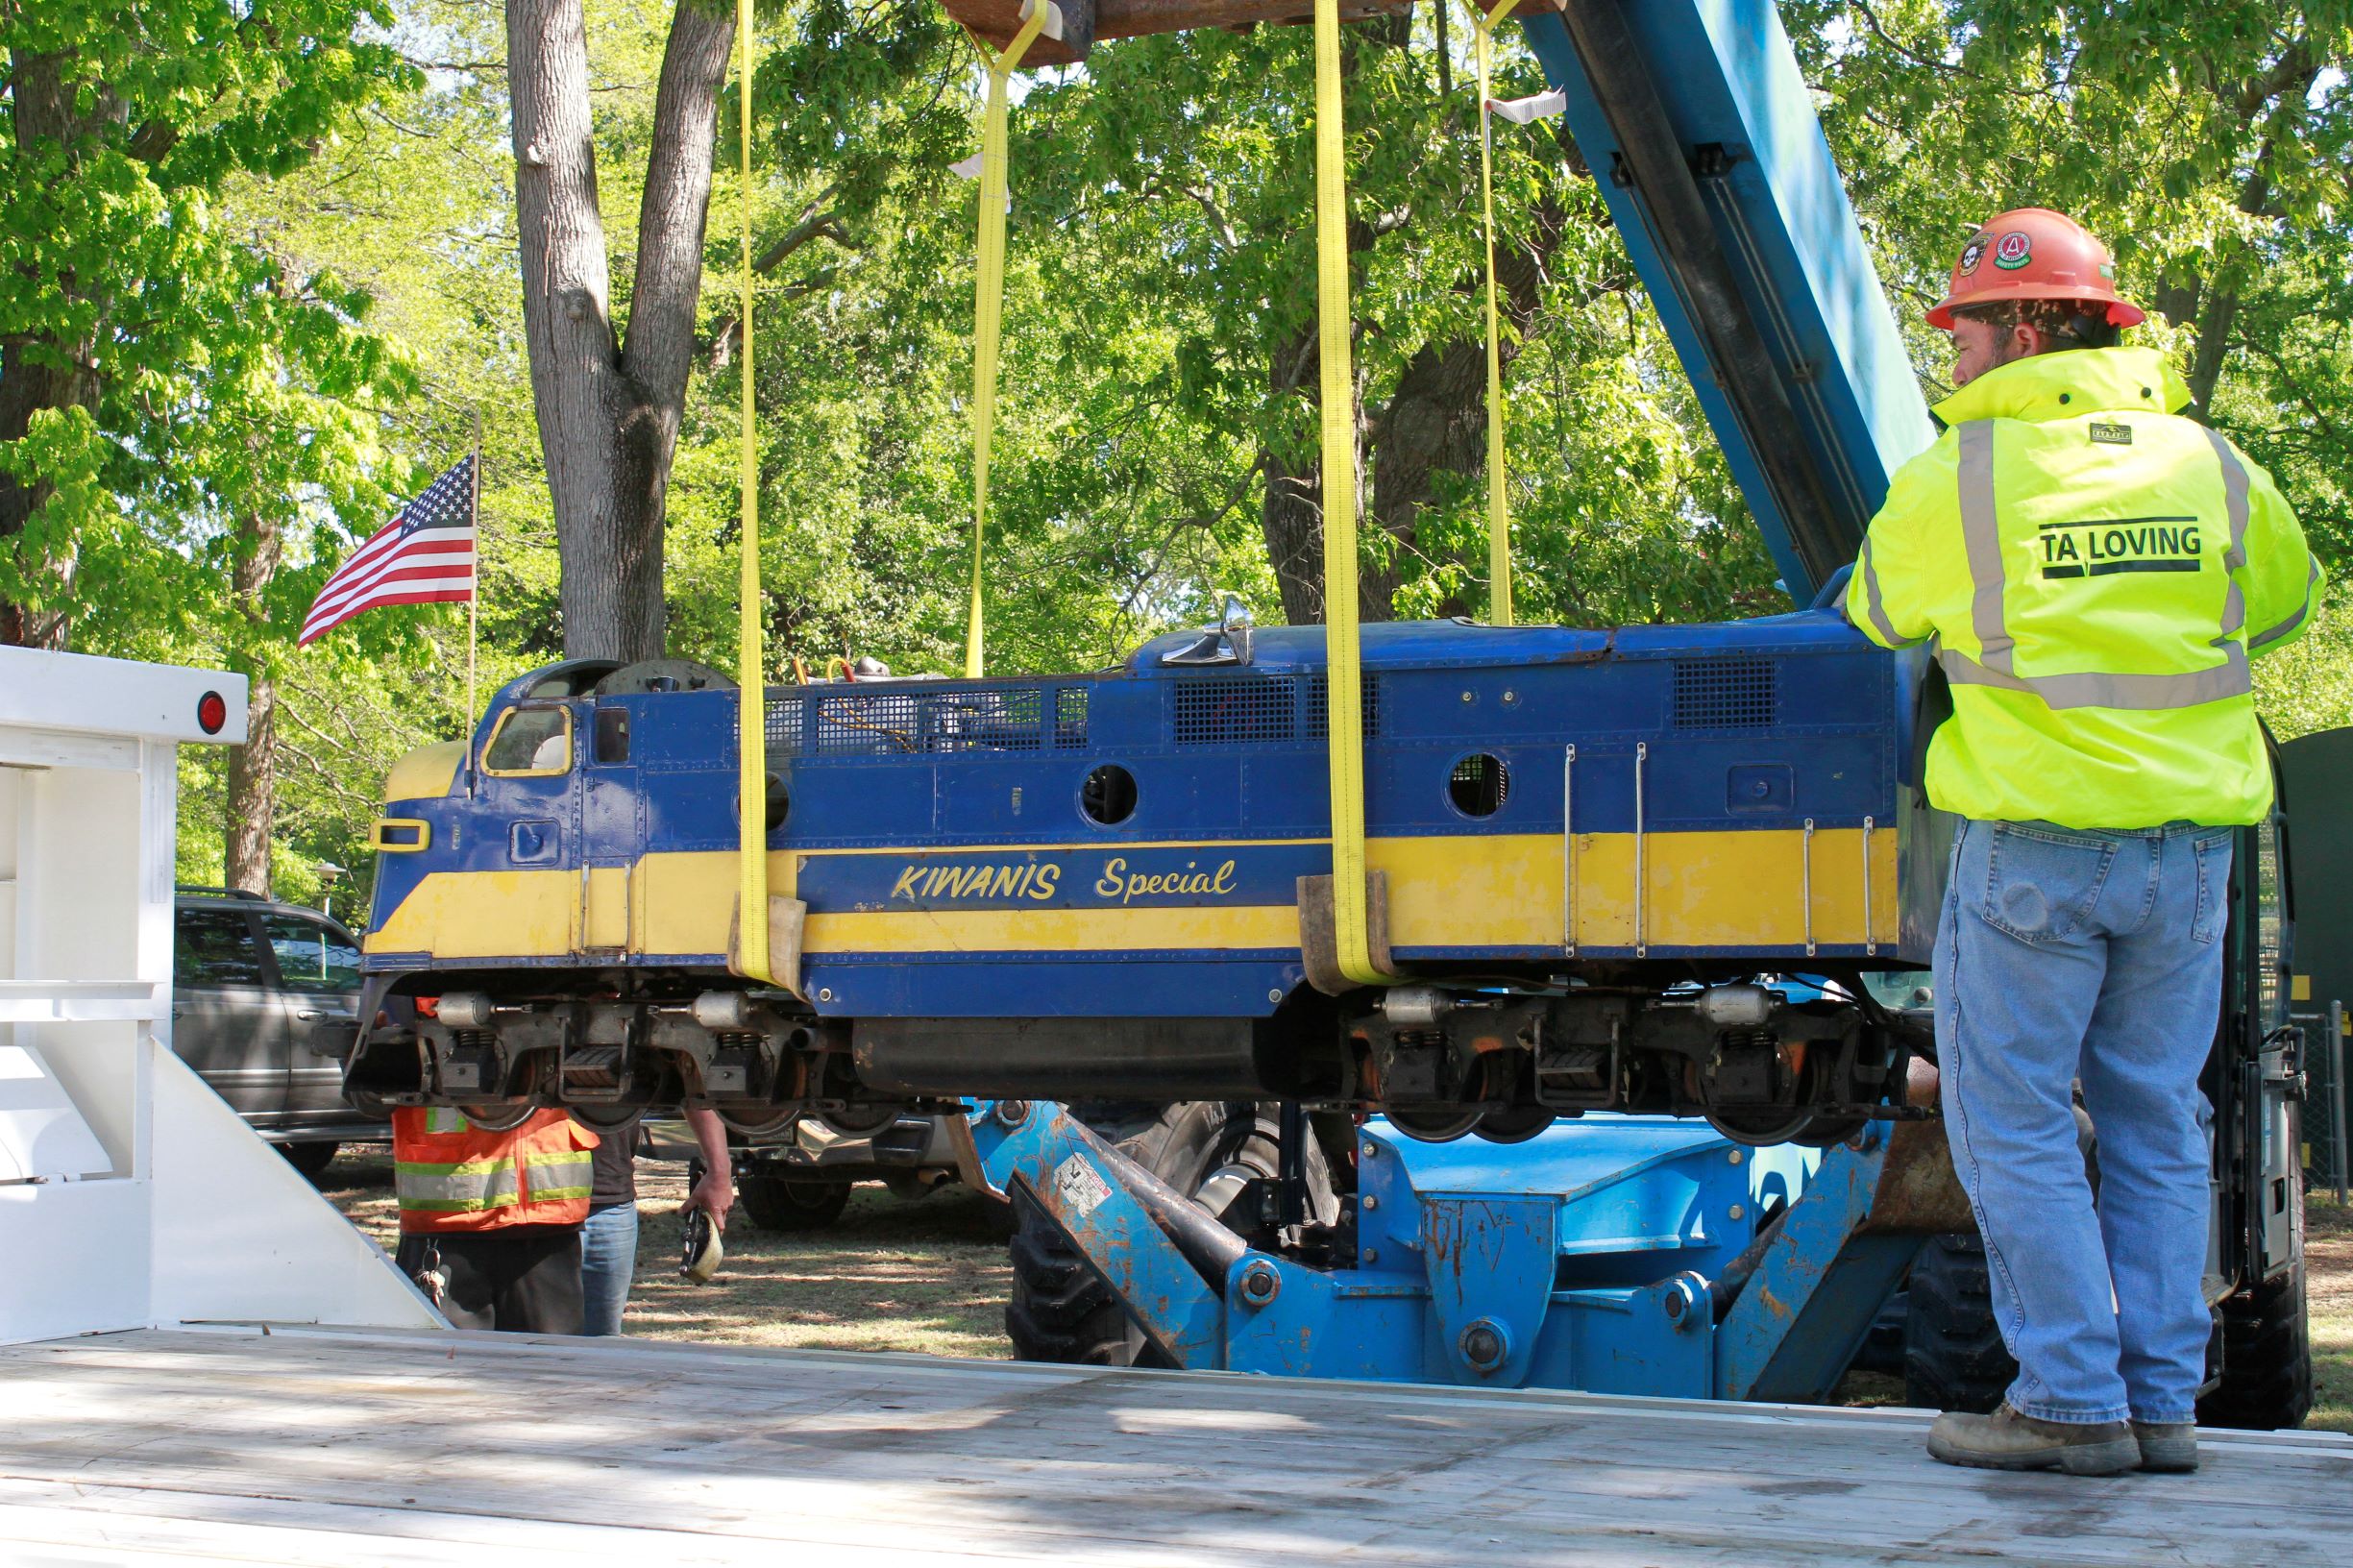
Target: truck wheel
(776,1203)
(1060,1311)
(312,1158)
(2267,1351)
(1953,1358)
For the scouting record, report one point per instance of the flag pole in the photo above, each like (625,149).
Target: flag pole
(474,596)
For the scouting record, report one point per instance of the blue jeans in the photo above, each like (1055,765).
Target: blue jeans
(2092,955)
(608,1263)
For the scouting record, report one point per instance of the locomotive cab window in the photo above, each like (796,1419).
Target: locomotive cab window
(529,742)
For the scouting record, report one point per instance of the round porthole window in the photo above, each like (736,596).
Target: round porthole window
(1479,785)
(1108,798)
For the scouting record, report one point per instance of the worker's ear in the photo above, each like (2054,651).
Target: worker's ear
(2022,340)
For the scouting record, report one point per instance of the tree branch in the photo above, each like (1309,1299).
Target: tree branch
(672,216)
(816,220)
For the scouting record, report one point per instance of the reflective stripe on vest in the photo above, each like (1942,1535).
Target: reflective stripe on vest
(566,1174)
(1996,664)
(1875,604)
(463,1186)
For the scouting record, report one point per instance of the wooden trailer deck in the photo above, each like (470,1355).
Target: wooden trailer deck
(312,1446)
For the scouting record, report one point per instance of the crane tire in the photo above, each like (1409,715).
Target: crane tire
(1953,1358)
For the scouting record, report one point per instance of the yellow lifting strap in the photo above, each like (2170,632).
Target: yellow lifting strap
(751,680)
(1499,505)
(1344,676)
(752,657)
(988,288)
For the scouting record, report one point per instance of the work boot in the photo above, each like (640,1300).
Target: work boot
(2007,1440)
(2168,1447)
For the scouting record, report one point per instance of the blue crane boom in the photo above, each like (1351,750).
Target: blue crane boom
(1701,134)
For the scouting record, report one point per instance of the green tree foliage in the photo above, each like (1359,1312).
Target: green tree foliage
(143,337)
(1155,438)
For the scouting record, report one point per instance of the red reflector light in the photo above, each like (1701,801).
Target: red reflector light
(428,1007)
(211,713)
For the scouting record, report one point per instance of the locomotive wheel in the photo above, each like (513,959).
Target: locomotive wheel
(1517,1125)
(1433,1126)
(765,1124)
(606,1119)
(498,1118)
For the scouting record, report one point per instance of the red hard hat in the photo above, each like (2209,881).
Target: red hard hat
(2033,254)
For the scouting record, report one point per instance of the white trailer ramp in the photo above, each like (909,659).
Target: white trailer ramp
(307,1445)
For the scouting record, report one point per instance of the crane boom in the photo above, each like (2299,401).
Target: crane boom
(1701,135)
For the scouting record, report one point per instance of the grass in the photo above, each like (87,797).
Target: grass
(2328,1284)
(930,1275)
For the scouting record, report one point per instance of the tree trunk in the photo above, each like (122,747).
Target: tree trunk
(253,768)
(1436,423)
(37,371)
(252,787)
(608,416)
(2222,305)
(1291,514)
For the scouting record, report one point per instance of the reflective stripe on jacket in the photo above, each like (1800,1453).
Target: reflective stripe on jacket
(2093,572)
(452,1175)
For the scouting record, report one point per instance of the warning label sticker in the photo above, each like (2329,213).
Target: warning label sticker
(1078,1190)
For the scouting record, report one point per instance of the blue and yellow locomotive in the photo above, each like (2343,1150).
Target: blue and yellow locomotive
(1587,847)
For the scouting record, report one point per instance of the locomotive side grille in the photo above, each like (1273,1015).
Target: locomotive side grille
(1741,692)
(1245,710)
(1319,705)
(865,722)
(784,726)
(1070,719)
(842,720)
(989,718)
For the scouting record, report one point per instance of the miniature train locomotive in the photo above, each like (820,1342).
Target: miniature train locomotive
(1589,852)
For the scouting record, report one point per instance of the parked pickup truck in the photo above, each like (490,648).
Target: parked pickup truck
(263,1007)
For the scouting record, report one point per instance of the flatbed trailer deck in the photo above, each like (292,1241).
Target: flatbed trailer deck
(307,1445)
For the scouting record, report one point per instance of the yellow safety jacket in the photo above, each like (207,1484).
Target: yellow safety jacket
(2093,572)
(453,1176)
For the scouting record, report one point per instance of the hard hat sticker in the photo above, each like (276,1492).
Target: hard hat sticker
(2013,250)
(1973,253)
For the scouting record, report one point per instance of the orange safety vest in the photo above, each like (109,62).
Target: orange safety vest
(453,1176)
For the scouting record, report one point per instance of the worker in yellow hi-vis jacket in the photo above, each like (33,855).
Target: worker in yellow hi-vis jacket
(2093,572)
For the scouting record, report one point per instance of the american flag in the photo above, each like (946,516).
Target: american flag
(423,556)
